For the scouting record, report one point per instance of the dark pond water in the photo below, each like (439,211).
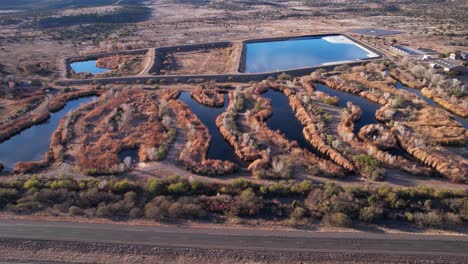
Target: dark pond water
(219,148)
(31,144)
(302,52)
(368,108)
(462,151)
(284,119)
(87,67)
(461,120)
(132,153)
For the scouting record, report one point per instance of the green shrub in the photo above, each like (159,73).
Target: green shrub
(248,203)
(178,188)
(122,186)
(75,210)
(372,167)
(337,220)
(161,154)
(431,219)
(298,216)
(156,187)
(32,183)
(65,184)
(7,195)
(239,183)
(370,214)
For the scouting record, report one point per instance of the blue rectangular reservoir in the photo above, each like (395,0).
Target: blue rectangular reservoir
(87,67)
(302,52)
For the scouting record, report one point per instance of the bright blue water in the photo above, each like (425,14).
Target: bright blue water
(219,148)
(368,108)
(87,67)
(301,52)
(31,144)
(461,120)
(284,119)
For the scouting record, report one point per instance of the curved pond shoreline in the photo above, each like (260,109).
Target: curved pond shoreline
(461,120)
(368,108)
(219,148)
(32,143)
(284,119)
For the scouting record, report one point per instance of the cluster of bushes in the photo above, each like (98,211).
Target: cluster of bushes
(370,167)
(293,203)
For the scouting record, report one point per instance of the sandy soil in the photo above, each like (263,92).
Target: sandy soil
(212,61)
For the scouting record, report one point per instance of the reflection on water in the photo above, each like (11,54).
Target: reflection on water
(284,119)
(219,148)
(368,108)
(301,52)
(87,67)
(31,144)
(132,153)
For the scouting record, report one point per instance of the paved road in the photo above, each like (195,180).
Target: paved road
(236,239)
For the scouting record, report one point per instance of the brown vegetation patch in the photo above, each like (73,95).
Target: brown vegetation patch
(60,100)
(454,168)
(121,65)
(454,107)
(123,119)
(362,149)
(193,155)
(378,135)
(272,155)
(304,110)
(209,97)
(29,111)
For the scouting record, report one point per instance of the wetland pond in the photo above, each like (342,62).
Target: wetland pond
(284,119)
(368,108)
(32,143)
(457,150)
(461,120)
(87,67)
(302,52)
(219,148)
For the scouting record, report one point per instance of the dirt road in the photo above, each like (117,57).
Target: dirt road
(22,240)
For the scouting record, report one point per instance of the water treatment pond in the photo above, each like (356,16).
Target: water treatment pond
(219,148)
(31,144)
(267,56)
(368,108)
(284,119)
(87,67)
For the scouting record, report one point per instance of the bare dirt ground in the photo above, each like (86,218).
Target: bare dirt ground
(212,61)
(136,243)
(176,23)
(24,251)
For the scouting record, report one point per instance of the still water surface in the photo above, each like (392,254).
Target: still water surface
(302,52)
(87,67)
(219,148)
(32,144)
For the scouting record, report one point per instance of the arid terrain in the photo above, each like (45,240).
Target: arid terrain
(143,111)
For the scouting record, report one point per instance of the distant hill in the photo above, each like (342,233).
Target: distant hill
(59,4)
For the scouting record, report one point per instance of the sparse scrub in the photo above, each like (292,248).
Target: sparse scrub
(176,198)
